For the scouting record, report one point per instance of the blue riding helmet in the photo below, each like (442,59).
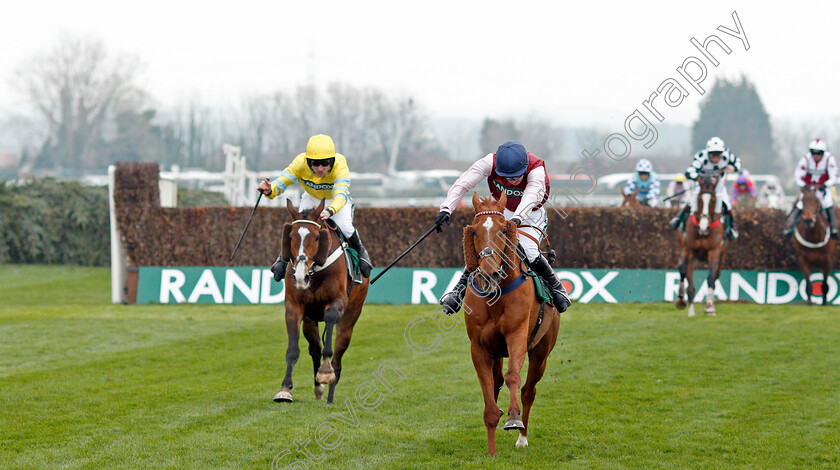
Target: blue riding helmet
(511,160)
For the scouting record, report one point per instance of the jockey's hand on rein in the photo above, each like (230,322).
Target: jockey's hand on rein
(442,217)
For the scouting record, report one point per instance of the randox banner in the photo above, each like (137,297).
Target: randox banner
(255,285)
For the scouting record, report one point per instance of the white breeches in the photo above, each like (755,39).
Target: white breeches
(537,218)
(343,218)
(721,197)
(826,199)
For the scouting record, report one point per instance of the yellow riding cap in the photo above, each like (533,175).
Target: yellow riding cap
(679,178)
(334,185)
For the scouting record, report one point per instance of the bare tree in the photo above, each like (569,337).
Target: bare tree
(75,88)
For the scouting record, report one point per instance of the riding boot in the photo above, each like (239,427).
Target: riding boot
(364,261)
(559,297)
(279,268)
(451,301)
(794,218)
(731,232)
(680,218)
(832,221)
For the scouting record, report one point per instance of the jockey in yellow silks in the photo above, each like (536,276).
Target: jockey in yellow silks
(324,174)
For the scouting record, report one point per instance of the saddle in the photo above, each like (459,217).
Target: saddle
(350,256)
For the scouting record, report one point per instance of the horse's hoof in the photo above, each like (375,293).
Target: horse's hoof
(325,377)
(521,441)
(319,391)
(283,396)
(680,303)
(691,310)
(709,310)
(514,423)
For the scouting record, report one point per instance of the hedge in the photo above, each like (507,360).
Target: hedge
(50,222)
(584,237)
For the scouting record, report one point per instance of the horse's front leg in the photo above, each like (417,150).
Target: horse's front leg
(332,315)
(294,316)
(517,349)
(806,272)
(483,362)
(714,268)
(689,280)
(310,332)
(680,302)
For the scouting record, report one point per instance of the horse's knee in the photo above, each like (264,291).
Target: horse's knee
(491,416)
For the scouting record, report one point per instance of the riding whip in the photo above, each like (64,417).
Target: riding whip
(246,226)
(429,232)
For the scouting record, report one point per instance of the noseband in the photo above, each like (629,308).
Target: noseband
(311,270)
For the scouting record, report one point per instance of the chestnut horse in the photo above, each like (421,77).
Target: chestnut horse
(630,199)
(502,322)
(316,291)
(702,240)
(812,241)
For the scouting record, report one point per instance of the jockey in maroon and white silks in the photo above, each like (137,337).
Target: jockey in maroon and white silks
(524,179)
(817,168)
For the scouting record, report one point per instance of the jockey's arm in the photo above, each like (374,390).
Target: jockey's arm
(287,178)
(735,163)
(479,171)
(831,168)
(630,186)
(801,171)
(341,185)
(533,193)
(653,192)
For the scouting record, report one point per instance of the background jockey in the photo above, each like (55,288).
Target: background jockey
(524,179)
(743,186)
(710,162)
(646,181)
(323,174)
(816,168)
(771,195)
(678,190)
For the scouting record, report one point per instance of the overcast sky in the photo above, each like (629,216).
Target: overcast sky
(577,62)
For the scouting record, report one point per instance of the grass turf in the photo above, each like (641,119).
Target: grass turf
(87,384)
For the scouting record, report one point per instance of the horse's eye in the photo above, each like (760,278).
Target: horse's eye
(504,230)
(317,237)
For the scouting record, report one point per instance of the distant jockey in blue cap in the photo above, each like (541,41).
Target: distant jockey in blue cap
(524,179)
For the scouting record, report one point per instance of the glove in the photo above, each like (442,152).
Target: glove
(442,218)
(822,187)
(516,220)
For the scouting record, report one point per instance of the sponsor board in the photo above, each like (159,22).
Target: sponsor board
(255,285)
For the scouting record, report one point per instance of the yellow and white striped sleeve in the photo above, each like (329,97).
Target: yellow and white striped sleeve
(341,184)
(287,177)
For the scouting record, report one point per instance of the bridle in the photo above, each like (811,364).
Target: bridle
(311,267)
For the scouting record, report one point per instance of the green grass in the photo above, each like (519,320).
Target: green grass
(87,384)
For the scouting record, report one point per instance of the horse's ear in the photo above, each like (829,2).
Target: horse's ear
(476,200)
(470,256)
(323,246)
(286,243)
(316,213)
(512,240)
(292,211)
(502,202)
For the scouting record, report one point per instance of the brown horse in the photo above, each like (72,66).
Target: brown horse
(501,323)
(702,240)
(630,199)
(316,291)
(812,241)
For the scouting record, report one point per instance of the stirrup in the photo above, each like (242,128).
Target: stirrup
(451,301)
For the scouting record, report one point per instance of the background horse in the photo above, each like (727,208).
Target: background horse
(316,291)
(503,324)
(630,199)
(702,240)
(812,241)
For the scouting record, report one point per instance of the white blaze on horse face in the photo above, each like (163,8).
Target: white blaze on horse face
(704,213)
(488,224)
(300,268)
